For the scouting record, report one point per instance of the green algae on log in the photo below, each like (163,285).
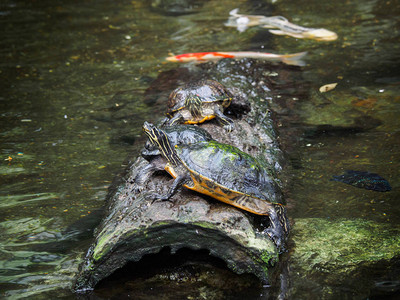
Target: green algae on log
(135,227)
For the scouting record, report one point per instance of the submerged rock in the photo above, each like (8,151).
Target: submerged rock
(343,253)
(176,7)
(366,180)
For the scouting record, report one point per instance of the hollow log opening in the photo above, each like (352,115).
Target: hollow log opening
(188,271)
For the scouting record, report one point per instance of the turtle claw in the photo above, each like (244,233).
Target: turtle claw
(157,197)
(137,189)
(228,127)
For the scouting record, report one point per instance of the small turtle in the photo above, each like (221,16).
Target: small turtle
(177,135)
(224,173)
(200,101)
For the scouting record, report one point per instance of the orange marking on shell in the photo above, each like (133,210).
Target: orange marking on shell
(201,187)
(219,195)
(201,121)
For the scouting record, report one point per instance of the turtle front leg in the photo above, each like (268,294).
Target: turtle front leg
(176,185)
(225,122)
(163,122)
(277,231)
(177,119)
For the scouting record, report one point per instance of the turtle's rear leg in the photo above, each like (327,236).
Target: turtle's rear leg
(283,219)
(279,226)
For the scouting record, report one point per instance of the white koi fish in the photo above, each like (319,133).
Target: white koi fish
(241,22)
(294,59)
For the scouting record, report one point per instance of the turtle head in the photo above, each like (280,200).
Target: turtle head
(152,132)
(193,103)
(159,138)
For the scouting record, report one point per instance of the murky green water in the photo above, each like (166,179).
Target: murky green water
(73,84)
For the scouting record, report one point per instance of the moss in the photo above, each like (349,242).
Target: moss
(162,223)
(106,241)
(205,224)
(268,257)
(100,248)
(343,244)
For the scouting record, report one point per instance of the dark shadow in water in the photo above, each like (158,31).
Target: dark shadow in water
(185,274)
(75,235)
(360,124)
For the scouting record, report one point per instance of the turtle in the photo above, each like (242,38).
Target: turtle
(200,101)
(223,172)
(177,135)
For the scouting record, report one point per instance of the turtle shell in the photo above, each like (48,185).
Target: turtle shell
(207,91)
(228,168)
(177,135)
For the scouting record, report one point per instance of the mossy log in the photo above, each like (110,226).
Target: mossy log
(135,226)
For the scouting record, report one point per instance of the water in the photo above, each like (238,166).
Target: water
(73,98)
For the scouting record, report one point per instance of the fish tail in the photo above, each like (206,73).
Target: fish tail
(234,12)
(294,59)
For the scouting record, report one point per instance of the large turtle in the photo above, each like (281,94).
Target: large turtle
(177,135)
(224,173)
(200,101)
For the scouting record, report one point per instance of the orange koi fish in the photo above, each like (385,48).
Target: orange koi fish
(294,59)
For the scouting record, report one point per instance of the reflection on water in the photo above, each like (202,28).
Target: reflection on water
(73,81)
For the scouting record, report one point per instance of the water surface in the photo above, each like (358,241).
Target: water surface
(73,86)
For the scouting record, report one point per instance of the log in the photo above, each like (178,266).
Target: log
(135,226)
